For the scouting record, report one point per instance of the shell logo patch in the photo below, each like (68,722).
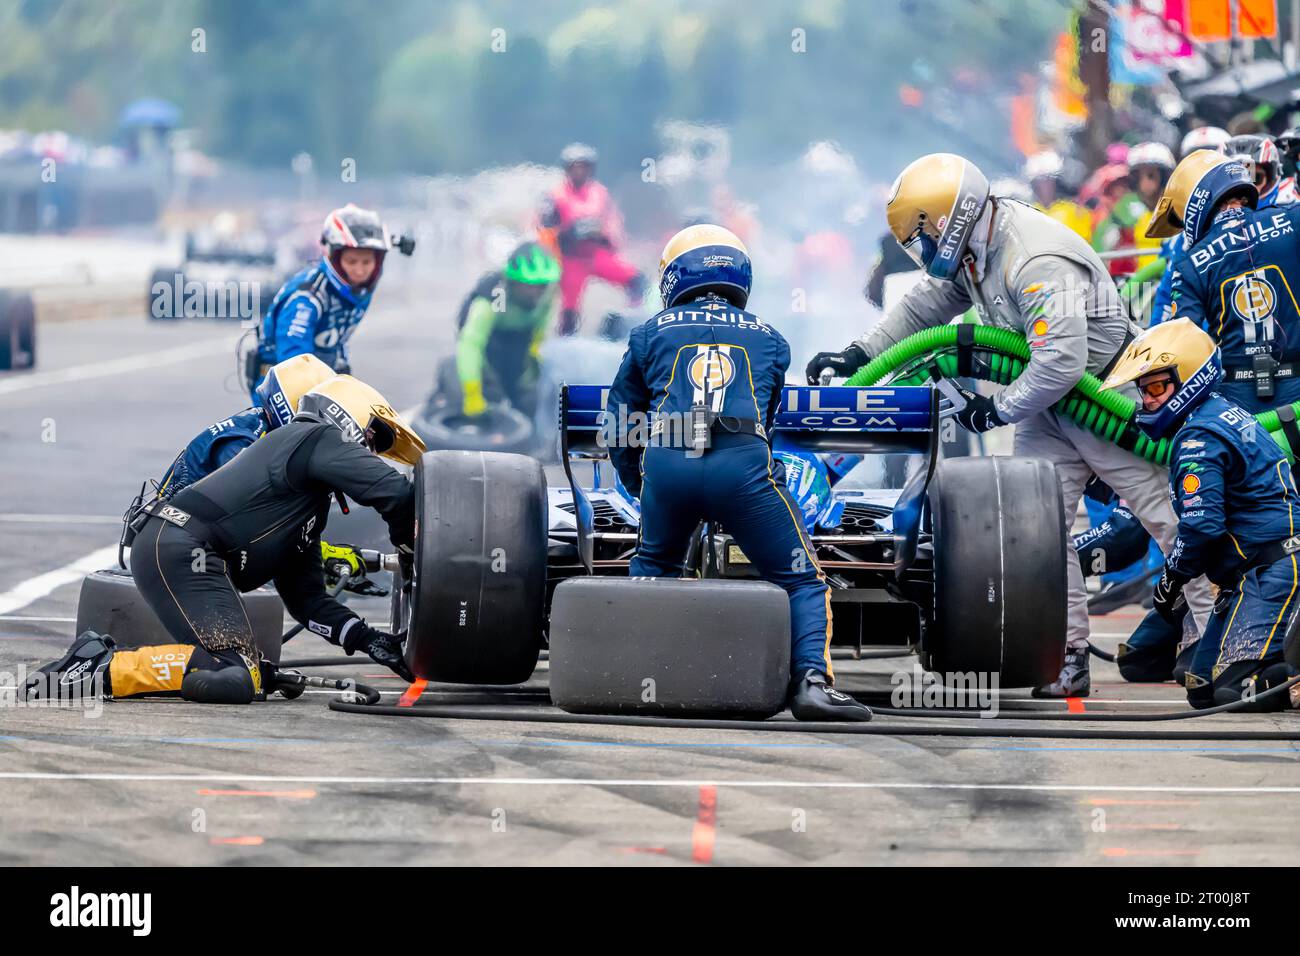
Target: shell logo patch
(1191,484)
(1040,327)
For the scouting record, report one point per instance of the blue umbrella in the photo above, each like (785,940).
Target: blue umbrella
(151,113)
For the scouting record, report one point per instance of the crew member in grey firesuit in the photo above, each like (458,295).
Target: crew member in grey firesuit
(1027,272)
(257,518)
(706,362)
(1236,501)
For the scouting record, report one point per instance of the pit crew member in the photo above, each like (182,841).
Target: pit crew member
(503,323)
(1236,499)
(1027,272)
(256,519)
(318,309)
(588,231)
(713,373)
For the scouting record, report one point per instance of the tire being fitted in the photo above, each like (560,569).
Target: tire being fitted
(17,331)
(476,612)
(110,604)
(999,570)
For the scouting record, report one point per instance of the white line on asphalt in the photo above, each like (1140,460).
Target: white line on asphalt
(53,620)
(62,519)
(34,589)
(635,782)
(117,366)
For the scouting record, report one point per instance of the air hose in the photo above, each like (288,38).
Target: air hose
(504,710)
(1000,355)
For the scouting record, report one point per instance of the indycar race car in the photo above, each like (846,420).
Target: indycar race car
(965,565)
(220,278)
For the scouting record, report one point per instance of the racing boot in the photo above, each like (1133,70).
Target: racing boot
(813,698)
(78,674)
(1075,679)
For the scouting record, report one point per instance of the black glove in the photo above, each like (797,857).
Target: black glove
(842,364)
(1167,597)
(980,414)
(406,562)
(383,648)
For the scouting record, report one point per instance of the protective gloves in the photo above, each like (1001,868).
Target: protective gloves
(1167,597)
(843,364)
(383,648)
(980,414)
(474,404)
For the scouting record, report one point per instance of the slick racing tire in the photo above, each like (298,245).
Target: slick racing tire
(499,429)
(999,571)
(670,647)
(110,604)
(17,331)
(479,586)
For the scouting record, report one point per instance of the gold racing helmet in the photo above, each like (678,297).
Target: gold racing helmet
(1199,183)
(932,210)
(1181,347)
(364,416)
(285,383)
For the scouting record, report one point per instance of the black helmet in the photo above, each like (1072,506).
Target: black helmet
(1288,144)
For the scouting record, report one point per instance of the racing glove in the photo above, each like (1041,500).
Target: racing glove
(1167,597)
(980,414)
(474,404)
(340,558)
(843,364)
(382,647)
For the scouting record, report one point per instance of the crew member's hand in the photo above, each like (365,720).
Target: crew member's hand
(388,650)
(842,364)
(474,403)
(1167,597)
(338,558)
(980,414)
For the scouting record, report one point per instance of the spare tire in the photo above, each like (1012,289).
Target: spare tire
(999,571)
(500,429)
(17,331)
(110,604)
(478,592)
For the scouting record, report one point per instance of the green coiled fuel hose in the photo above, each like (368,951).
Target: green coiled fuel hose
(1000,355)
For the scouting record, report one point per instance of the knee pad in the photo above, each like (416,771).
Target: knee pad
(230,684)
(1146,663)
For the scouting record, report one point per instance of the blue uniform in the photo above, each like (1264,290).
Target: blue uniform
(709,351)
(1234,493)
(1239,283)
(212,448)
(315,313)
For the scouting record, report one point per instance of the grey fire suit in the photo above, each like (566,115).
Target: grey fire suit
(1036,276)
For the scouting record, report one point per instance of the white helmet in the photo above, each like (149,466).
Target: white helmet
(1044,165)
(1151,154)
(1204,137)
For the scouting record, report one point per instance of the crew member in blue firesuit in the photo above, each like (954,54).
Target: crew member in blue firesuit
(1236,501)
(319,308)
(712,374)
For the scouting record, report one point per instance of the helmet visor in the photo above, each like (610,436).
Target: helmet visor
(922,247)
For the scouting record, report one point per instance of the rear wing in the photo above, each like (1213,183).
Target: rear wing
(832,418)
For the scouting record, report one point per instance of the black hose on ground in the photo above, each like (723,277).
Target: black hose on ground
(980,728)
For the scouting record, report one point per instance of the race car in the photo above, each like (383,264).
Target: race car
(223,276)
(964,564)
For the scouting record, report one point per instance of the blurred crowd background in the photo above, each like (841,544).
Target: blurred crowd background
(786,121)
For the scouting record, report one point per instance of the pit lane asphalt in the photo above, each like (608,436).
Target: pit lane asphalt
(166,782)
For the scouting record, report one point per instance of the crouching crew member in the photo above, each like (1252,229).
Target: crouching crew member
(715,371)
(256,519)
(1236,503)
